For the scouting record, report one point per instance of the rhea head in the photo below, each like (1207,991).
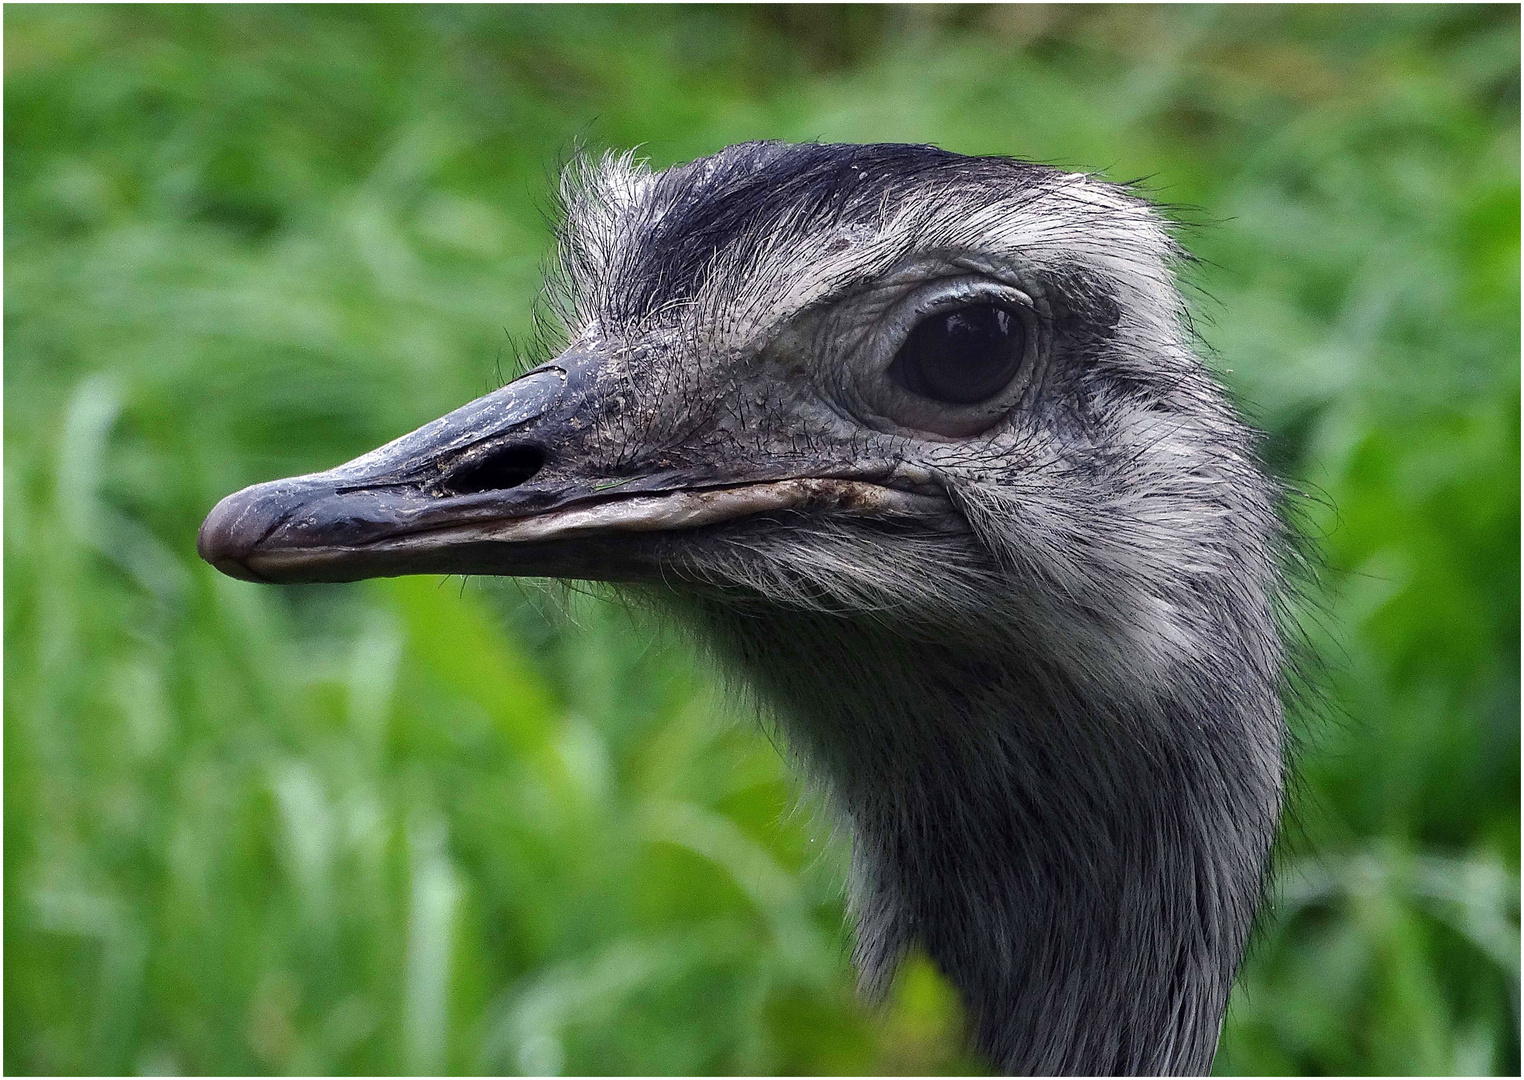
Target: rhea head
(921,443)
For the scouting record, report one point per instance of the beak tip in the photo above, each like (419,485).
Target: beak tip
(230,533)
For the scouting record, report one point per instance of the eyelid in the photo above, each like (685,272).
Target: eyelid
(941,295)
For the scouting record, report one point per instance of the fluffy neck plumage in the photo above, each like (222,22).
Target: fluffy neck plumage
(1084,872)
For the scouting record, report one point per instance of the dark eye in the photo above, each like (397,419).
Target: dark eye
(962,357)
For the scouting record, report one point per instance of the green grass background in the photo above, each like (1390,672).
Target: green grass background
(423,826)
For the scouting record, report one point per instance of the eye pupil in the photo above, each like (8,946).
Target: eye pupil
(961,357)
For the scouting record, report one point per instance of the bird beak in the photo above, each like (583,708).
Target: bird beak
(503,485)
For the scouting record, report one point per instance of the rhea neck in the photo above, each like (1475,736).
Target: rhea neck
(1084,871)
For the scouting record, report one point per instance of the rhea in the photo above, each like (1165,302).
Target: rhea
(919,443)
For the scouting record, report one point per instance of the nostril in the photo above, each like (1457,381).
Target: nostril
(503,467)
